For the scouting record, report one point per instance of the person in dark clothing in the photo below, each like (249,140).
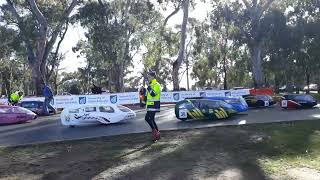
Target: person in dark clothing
(48,97)
(142,96)
(95,89)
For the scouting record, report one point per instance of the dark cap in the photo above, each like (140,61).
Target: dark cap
(152,73)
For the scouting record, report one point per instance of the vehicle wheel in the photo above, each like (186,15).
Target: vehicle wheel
(182,119)
(72,126)
(260,103)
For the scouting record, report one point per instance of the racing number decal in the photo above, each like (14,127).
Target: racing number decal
(183,113)
(284,103)
(221,113)
(266,103)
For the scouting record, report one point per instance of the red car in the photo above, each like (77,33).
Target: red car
(15,114)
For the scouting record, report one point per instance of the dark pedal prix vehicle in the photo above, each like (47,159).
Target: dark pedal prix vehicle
(203,109)
(259,100)
(36,107)
(298,101)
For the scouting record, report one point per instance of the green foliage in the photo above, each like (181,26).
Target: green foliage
(217,48)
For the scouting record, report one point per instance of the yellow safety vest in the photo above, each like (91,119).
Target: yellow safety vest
(153,96)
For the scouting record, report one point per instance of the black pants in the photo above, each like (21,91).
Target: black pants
(150,119)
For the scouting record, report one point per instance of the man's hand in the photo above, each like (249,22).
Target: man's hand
(151,91)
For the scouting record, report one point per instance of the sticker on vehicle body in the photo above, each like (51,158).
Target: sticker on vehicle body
(284,103)
(183,113)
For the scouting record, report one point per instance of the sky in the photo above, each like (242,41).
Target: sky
(76,33)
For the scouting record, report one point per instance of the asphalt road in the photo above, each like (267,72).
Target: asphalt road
(49,129)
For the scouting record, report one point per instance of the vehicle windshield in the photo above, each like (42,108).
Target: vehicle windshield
(123,108)
(232,101)
(107,109)
(264,98)
(5,110)
(30,104)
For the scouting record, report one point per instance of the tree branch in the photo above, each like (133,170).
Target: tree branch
(265,7)
(43,27)
(58,28)
(12,9)
(167,19)
(55,57)
(246,3)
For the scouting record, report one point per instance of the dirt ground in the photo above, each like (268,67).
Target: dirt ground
(257,152)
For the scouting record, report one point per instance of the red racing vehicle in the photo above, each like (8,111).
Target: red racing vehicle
(298,101)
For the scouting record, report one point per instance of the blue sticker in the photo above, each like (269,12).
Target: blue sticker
(203,94)
(52,102)
(176,96)
(82,100)
(113,99)
(227,93)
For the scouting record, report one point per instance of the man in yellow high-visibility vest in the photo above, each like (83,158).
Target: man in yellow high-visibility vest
(153,104)
(15,98)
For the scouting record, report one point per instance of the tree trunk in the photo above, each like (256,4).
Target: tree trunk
(225,85)
(37,79)
(124,51)
(177,63)
(308,81)
(37,60)
(318,86)
(255,52)
(187,64)
(276,83)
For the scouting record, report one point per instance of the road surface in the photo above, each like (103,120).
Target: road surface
(49,129)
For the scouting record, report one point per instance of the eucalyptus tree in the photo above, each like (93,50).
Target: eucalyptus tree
(115,32)
(40,25)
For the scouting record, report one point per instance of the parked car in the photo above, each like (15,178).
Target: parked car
(288,88)
(36,107)
(312,87)
(15,114)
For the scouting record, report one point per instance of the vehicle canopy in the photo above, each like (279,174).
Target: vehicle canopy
(299,97)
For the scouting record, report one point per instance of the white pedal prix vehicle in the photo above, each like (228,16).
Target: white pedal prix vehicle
(95,114)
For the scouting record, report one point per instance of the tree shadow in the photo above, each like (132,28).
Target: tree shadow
(233,153)
(192,160)
(68,160)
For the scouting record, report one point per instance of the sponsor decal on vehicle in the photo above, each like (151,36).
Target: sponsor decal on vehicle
(183,113)
(221,113)
(284,103)
(82,100)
